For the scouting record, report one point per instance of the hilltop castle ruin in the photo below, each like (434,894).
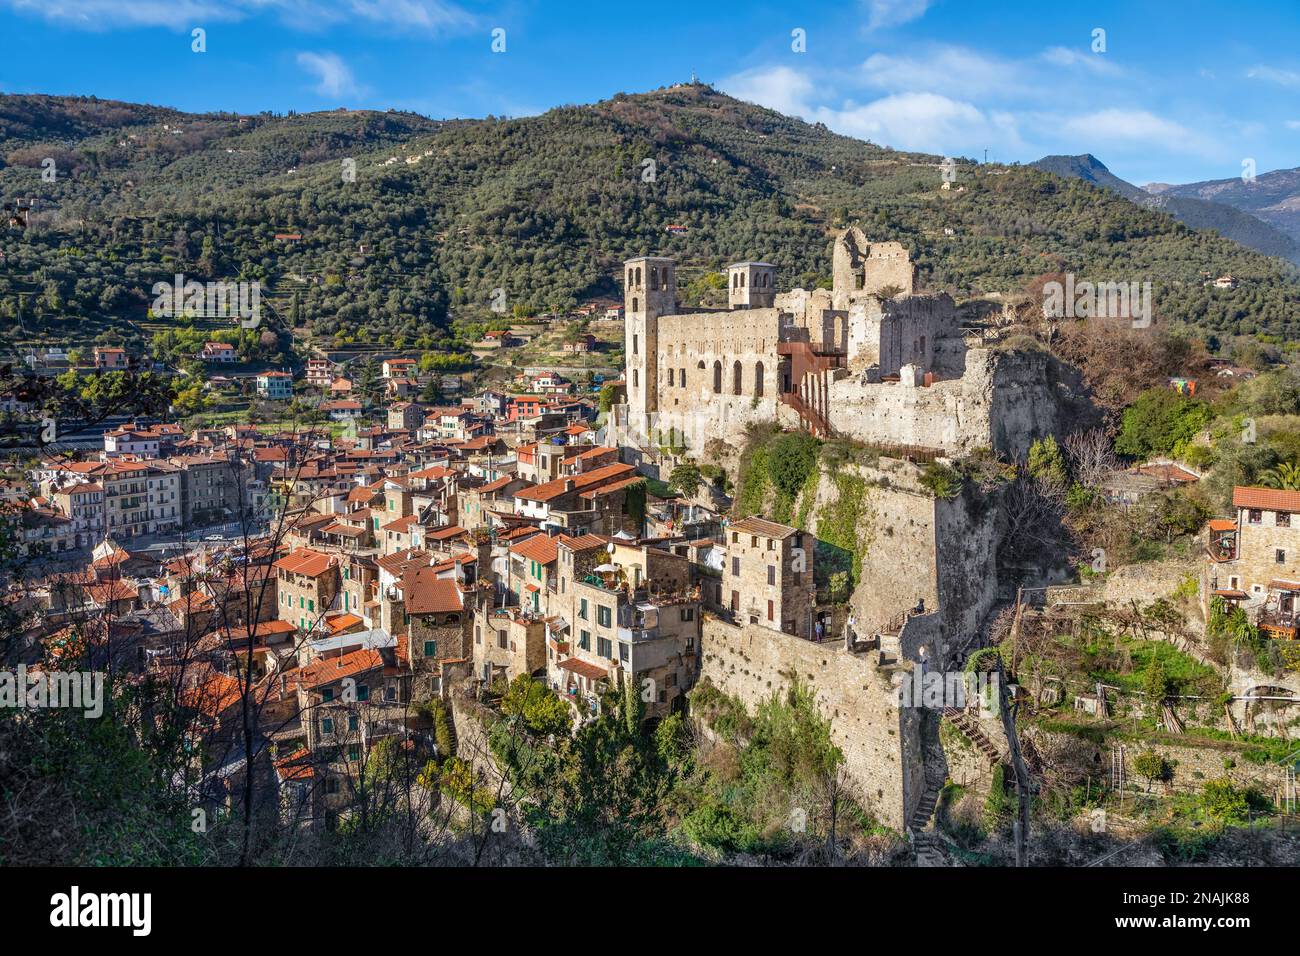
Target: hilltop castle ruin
(870,359)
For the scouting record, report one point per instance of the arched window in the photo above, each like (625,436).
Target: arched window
(638,277)
(735,280)
(700,366)
(635,379)
(758,380)
(654,278)
(629,278)
(736,378)
(742,280)
(636,304)
(666,282)
(717,378)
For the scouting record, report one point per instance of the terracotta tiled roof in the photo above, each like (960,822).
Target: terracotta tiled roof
(764,527)
(590,671)
(585,542)
(1267,499)
(580,482)
(306,561)
(1223,524)
(426,593)
(541,548)
(330,669)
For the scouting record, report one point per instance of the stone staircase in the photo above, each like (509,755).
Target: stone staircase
(973,732)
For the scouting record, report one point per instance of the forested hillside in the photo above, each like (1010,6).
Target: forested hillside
(439,215)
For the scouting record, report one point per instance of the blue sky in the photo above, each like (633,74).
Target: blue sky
(1182,91)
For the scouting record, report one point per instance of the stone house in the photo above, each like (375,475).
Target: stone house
(767,576)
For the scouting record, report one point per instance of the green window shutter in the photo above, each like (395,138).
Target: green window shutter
(430,648)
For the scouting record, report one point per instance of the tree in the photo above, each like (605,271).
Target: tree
(1046,464)
(633,707)
(686,478)
(1159,422)
(1151,765)
(541,710)
(1156,683)
(1285,476)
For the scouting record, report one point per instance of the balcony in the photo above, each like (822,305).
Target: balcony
(1278,625)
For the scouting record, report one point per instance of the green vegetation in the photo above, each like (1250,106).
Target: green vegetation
(1161,421)
(543,208)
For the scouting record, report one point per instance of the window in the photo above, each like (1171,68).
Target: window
(331,784)
(501,640)
(390,693)
(1284,519)
(688,614)
(1255,516)
(327,694)
(717,378)
(736,375)
(363,692)
(582,609)
(771,574)
(1279,555)
(634,344)
(430,648)
(604,617)
(584,640)
(605,647)
(354,751)
(353,722)
(478,634)
(327,725)
(769,610)
(735,567)
(623,652)
(758,380)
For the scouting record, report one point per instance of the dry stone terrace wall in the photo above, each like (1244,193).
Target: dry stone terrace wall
(881,742)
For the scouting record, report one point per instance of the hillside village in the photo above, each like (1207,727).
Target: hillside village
(404,581)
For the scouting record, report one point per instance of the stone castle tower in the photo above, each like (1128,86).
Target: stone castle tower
(751,285)
(649,291)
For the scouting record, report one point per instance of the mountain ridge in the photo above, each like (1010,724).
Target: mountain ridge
(439,214)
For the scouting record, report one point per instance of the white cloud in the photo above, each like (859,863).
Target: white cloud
(1293,124)
(927,122)
(1125,128)
(1274,75)
(334,77)
(892,13)
(1062,56)
(779,88)
(109,14)
(426,16)
(945,69)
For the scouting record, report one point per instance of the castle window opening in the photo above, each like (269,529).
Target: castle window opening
(638,277)
(681,377)
(736,375)
(717,378)
(654,279)
(758,380)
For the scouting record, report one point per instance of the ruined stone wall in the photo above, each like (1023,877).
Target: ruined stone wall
(1004,402)
(901,331)
(915,548)
(881,743)
(694,343)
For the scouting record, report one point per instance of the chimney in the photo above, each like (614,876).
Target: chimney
(568,484)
